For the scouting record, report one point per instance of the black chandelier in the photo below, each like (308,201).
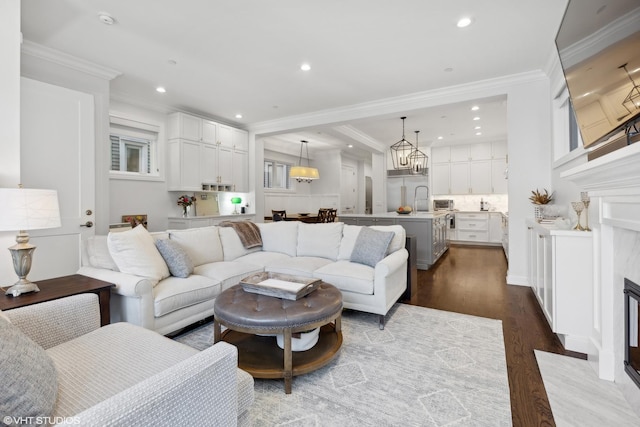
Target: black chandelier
(400,151)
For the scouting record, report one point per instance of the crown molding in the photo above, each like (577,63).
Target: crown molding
(52,55)
(361,137)
(397,104)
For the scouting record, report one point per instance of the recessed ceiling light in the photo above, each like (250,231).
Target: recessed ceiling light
(476,118)
(448,70)
(172,62)
(478,127)
(478,133)
(440,137)
(305,67)
(464,22)
(160,89)
(238,116)
(475,108)
(350,145)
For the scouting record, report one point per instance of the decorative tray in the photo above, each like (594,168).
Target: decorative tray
(279,285)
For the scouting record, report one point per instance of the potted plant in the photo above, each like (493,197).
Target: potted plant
(539,200)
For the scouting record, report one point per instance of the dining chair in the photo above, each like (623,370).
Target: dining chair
(331,215)
(322,215)
(281,214)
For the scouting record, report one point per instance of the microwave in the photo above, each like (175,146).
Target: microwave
(442,205)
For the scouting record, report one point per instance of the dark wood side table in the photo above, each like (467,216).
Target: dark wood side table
(61,287)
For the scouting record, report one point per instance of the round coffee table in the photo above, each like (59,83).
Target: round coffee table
(247,314)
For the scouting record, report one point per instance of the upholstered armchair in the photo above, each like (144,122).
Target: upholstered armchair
(66,367)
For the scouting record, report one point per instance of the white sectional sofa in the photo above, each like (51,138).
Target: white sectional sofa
(147,295)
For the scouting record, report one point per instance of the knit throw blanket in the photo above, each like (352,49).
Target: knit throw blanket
(248,232)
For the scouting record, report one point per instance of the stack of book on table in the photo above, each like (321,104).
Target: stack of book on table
(279,285)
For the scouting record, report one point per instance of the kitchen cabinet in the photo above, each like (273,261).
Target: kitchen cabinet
(560,272)
(375,221)
(470,169)
(440,178)
(205,155)
(495,227)
(472,227)
(505,235)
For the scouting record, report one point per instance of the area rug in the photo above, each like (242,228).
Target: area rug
(578,398)
(426,368)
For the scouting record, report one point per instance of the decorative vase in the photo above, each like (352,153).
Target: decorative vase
(185,211)
(538,212)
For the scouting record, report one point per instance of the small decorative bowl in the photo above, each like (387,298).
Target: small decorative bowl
(403,212)
(303,214)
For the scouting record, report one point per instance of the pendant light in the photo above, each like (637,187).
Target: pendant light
(400,151)
(304,173)
(418,160)
(632,101)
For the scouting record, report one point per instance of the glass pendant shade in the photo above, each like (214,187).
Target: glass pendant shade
(304,173)
(418,160)
(400,151)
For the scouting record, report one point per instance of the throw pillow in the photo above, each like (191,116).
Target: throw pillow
(29,377)
(135,252)
(371,246)
(179,263)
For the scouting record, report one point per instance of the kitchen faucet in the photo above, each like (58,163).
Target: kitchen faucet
(415,197)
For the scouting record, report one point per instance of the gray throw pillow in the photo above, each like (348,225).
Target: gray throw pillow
(29,377)
(371,246)
(179,263)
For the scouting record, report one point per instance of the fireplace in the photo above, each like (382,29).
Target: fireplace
(631,330)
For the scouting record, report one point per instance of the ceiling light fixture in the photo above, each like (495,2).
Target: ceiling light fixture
(478,133)
(238,116)
(400,151)
(304,173)
(632,101)
(350,145)
(475,108)
(440,137)
(305,67)
(160,89)
(418,160)
(106,19)
(476,118)
(464,22)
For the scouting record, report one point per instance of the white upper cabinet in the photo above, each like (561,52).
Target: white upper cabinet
(441,154)
(480,151)
(459,153)
(240,140)
(209,131)
(225,136)
(499,150)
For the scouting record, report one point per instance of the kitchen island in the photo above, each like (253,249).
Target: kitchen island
(181,223)
(429,228)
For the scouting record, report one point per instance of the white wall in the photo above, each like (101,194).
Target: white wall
(9,118)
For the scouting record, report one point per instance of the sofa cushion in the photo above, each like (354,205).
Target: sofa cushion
(232,247)
(349,236)
(134,252)
(399,238)
(203,245)
(281,236)
(179,263)
(29,378)
(263,258)
(98,253)
(371,246)
(228,273)
(174,293)
(348,276)
(100,364)
(319,240)
(298,266)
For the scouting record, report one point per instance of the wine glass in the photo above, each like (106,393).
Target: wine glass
(585,201)
(578,207)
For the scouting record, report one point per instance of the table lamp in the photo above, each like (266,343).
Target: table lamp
(23,209)
(235,201)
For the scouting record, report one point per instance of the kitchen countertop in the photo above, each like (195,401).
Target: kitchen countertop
(230,216)
(413,215)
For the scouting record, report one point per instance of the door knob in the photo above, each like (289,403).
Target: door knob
(87,224)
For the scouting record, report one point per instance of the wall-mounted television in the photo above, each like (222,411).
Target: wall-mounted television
(599,47)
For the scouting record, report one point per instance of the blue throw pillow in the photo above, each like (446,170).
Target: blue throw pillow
(179,263)
(371,246)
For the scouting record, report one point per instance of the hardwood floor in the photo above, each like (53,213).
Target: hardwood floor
(472,280)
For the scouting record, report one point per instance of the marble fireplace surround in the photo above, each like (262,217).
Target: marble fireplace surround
(613,183)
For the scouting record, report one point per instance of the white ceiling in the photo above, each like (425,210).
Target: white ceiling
(244,56)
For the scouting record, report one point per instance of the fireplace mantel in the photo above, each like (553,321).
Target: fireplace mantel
(617,173)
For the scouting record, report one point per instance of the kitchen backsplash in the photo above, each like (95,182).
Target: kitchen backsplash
(496,202)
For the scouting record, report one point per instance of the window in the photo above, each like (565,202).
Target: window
(134,150)
(276,175)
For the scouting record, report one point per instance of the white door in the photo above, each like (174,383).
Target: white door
(348,188)
(57,145)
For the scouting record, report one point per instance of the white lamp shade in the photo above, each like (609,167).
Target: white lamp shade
(28,209)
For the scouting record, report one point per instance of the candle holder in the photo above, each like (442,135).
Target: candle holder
(578,207)
(585,201)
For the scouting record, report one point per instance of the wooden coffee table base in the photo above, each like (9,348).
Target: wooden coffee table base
(262,358)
